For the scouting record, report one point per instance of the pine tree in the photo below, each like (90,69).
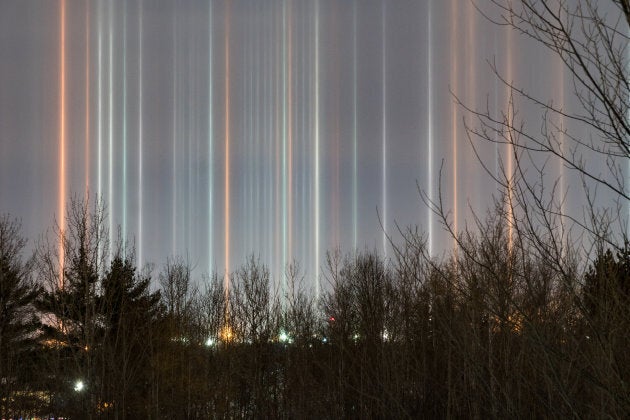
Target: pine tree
(18,325)
(130,312)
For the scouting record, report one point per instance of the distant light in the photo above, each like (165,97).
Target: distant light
(385,335)
(226,335)
(210,342)
(79,386)
(356,337)
(331,319)
(324,340)
(283,337)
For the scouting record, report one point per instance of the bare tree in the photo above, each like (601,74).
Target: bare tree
(524,271)
(177,387)
(590,38)
(254,316)
(69,263)
(252,303)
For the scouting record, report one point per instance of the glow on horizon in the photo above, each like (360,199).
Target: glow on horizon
(62,140)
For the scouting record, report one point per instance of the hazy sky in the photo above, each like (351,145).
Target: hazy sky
(279,128)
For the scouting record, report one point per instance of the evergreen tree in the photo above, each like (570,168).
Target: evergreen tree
(130,312)
(607,285)
(18,325)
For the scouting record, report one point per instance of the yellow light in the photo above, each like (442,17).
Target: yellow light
(226,334)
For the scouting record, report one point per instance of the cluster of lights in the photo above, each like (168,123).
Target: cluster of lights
(284,337)
(227,335)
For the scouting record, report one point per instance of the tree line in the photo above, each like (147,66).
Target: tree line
(489,330)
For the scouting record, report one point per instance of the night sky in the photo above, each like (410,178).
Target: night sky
(283,129)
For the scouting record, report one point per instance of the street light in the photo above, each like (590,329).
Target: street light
(79,386)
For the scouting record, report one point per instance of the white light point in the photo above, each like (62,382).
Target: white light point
(79,386)
(284,337)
